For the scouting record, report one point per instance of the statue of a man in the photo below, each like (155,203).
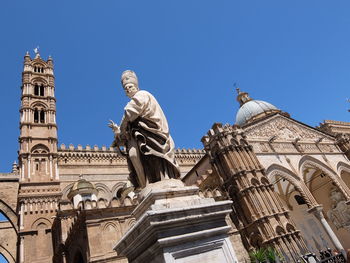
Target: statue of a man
(145,134)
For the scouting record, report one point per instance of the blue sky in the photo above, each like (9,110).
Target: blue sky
(293,54)
(2,258)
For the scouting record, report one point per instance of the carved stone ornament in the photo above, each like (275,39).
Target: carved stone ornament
(283,128)
(339,214)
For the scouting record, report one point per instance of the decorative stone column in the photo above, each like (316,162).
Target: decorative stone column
(265,221)
(175,224)
(21,249)
(317,211)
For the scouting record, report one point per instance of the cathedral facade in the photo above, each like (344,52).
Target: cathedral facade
(289,183)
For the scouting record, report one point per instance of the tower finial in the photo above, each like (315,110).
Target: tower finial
(242,96)
(27,57)
(14,167)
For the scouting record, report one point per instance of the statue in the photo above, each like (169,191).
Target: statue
(144,134)
(339,213)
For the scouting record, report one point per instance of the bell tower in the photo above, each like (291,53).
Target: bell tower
(39,190)
(38,129)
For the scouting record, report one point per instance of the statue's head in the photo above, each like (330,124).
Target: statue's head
(336,196)
(130,83)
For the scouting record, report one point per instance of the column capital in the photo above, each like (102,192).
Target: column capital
(317,211)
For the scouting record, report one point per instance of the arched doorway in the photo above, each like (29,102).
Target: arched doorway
(330,191)
(298,200)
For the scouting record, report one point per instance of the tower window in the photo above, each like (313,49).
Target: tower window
(39,116)
(36,116)
(41,90)
(42,116)
(37,165)
(39,69)
(36,90)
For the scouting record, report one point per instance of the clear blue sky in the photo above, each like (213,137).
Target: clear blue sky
(293,54)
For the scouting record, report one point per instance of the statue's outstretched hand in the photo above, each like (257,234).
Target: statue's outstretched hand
(114,127)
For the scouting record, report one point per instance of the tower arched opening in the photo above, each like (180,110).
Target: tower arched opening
(330,191)
(299,200)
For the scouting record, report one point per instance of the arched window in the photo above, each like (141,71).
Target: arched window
(41,90)
(39,116)
(300,200)
(36,90)
(42,116)
(38,69)
(36,116)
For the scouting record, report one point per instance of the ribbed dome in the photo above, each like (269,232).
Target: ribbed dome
(81,187)
(252,109)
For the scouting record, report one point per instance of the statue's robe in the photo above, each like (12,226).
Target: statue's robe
(145,122)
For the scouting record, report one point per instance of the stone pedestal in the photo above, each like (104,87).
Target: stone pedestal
(174,224)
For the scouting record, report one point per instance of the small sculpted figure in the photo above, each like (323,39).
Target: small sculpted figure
(339,213)
(144,133)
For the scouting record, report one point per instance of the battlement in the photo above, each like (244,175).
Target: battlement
(9,177)
(79,147)
(71,154)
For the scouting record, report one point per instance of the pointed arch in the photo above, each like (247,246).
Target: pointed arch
(103,191)
(41,221)
(116,187)
(40,148)
(334,177)
(276,170)
(66,190)
(39,104)
(7,255)
(131,222)
(289,175)
(344,172)
(341,166)
(39,80)
(307,159)
(9,213)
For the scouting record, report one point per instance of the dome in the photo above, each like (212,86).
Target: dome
(252,109)
(82,187)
